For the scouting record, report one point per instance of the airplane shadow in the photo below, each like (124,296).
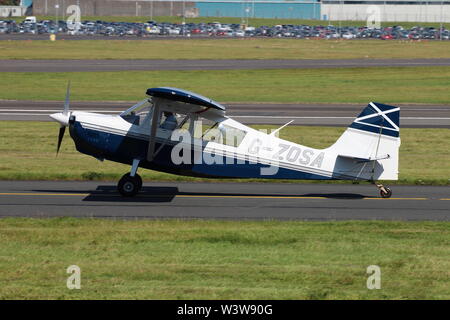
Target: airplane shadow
(147,194)
(167,194)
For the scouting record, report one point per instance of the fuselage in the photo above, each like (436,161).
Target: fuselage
(258,155)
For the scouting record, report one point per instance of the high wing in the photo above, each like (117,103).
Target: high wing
(185,102)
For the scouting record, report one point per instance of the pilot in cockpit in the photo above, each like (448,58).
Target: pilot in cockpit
(170,122)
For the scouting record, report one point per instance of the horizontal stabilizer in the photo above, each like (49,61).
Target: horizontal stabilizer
(383,157)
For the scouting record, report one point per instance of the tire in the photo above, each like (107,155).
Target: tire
(138,177)
(386,194)
(129,186)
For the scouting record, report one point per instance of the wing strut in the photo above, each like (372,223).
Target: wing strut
(153,128)
(165,141)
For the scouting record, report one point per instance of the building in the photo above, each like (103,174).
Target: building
(114,7)
(334,10)
(15,11)
(387,10)
(303,9)
(296,9)
(12,11)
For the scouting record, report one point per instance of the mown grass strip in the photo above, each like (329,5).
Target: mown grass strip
(223,49)
(358,85)
(195,259)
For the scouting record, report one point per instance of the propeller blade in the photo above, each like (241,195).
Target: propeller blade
(60,138)
(67,101)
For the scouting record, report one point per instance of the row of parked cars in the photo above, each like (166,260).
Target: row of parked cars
(216,29)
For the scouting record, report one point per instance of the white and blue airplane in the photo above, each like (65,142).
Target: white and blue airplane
(180,132)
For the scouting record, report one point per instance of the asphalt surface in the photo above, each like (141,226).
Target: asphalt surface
(433,116)
(148,65)
(224,201)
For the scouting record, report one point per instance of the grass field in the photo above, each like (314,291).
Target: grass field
(222,49)
(27,151)
(359,85)
(222,259)
(256,22)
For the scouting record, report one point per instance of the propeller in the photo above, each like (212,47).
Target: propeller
(62,130)
(63,118)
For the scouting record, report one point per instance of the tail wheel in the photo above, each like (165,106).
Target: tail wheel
(129,186)
(386,194)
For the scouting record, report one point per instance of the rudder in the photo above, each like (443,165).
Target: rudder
(379,118)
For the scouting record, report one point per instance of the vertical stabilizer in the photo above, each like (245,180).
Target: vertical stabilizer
(370,144)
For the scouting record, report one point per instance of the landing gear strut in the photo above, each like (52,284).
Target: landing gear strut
(130,183)
(385,192)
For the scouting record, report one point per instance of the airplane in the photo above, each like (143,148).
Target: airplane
(180,132)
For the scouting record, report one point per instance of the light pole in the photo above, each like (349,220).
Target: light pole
(151,10)
(243,12)
(247,11)
(314,10)
(184,18)
(442,20)
(253,8)
(184,12)
(56,17)
(340,19)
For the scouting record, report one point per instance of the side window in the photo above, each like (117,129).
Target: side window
(207,130)
(232,136)
(183,122)
(219,133)
(171,121)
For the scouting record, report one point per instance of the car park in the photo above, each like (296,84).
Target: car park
(216,29)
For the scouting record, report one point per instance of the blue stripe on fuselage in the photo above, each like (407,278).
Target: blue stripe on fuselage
(124,149)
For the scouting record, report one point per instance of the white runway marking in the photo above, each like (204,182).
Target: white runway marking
(287,117)
(54,110)
(25,112)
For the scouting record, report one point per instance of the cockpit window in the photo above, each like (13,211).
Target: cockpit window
(209,131)
(137,114)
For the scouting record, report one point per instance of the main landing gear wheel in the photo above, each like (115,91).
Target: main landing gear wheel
(385,194)
(129,186)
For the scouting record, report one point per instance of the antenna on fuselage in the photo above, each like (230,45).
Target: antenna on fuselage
(276,131)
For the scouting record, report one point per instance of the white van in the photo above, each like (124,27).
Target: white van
(31,19)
